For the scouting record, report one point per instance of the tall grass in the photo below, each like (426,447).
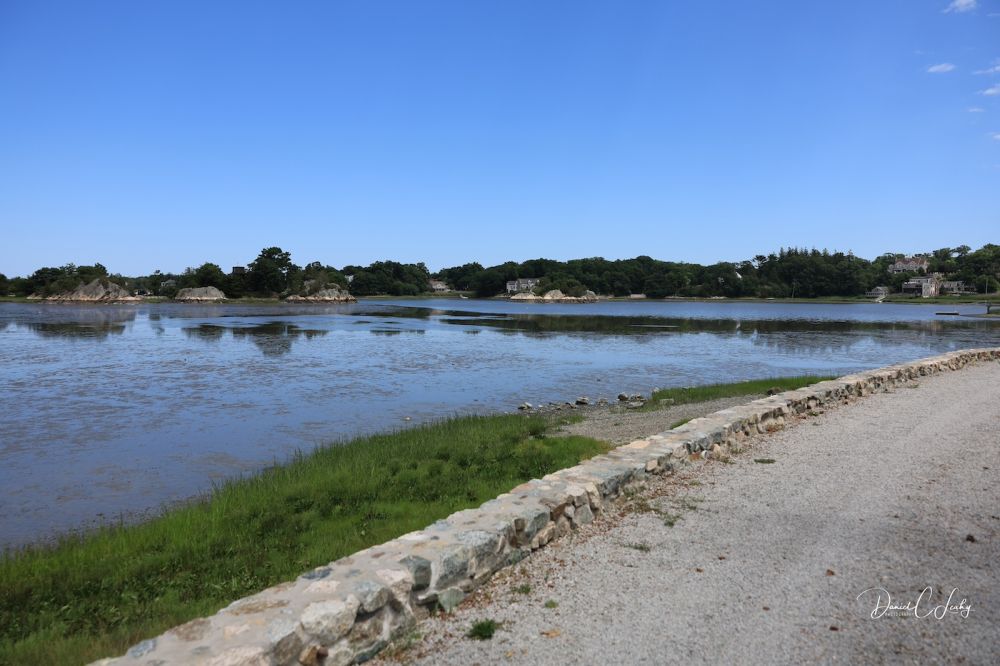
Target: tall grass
(688,394)
(95,595)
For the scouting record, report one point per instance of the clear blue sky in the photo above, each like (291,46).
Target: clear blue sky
(160,135)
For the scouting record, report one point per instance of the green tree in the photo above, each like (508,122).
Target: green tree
(272,271)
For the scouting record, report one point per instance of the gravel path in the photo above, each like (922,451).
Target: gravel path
(765,562)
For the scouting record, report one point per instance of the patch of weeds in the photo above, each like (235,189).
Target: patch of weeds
(689,503)
(402,644)
(694,482)
(551,603)
(523,588)
(640,546)
(643,506)
(678,424)
(483,630)
(670,519)
(736,450)
(764,461)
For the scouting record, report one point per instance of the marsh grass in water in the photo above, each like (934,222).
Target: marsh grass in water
(681,396)
(95,595)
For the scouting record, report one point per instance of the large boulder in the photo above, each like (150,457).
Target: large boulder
(555,296)
(200,294)
(330,295)
(100,290)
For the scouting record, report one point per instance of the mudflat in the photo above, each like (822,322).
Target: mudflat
(792,550)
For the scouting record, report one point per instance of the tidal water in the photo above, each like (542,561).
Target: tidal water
(112,412)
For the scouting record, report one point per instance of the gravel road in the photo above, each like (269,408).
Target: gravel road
(765,562)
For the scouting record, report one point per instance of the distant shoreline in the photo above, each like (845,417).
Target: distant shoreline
(845,300)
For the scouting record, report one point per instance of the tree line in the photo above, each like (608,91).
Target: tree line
(790,272)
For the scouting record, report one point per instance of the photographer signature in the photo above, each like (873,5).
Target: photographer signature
(922,608)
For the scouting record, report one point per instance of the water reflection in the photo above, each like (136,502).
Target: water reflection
(207,332)
(641,326)
(84,323)
(272,338)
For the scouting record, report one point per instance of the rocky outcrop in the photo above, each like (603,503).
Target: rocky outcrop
(346,611)
(98,291)
(331,295)
(200,294)
(555,296)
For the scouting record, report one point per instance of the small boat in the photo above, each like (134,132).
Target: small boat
(952,313)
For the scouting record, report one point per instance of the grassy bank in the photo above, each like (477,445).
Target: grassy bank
(688,394)
(94,596)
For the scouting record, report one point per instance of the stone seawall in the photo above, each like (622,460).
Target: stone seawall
(348,610)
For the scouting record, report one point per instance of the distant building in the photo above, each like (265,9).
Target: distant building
(238,270)
(349,278)
(168,283)
(878,292)
(956,287)
(437,286)
(521,285)
(925,287)
(910,265)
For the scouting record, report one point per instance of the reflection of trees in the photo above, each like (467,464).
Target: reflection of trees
(406,312)
(932,336)
(790,335)
(206,332)
(273,338)
(645,325)
(96,323)
(395,331)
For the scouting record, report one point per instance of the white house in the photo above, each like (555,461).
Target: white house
(521,285)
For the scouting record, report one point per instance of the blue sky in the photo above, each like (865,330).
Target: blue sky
(160,135)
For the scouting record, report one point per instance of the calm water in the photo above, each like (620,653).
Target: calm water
(112,411)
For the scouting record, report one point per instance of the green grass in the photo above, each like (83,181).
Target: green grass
(681,396)
(483,630)
(95,595)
